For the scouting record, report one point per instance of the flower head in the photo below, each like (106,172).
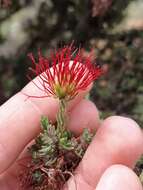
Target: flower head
(63,75)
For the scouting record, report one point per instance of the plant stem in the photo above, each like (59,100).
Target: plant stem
(61,117)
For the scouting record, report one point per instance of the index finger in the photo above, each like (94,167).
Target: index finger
(20,118)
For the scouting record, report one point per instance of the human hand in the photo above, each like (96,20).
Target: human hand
(106,165)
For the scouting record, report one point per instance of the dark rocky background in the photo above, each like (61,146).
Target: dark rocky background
(114,29)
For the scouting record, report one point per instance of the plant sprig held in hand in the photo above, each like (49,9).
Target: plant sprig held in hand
(56,151)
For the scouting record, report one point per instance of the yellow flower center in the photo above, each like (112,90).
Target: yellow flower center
(63,91)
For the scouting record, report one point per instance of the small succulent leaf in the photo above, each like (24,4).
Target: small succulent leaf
(44,123)
(79,151)
(66,144)
(87,136)
(66,134)
(63,140)
(46,150)
(37,176)
(50,162)
(46,140)
(38,140)
(34,155)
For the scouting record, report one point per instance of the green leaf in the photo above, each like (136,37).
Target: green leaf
(87,136)
(79,151)
(63,140)
(66,144)
(66,134)
(44,123)
(34,155)
(37,176)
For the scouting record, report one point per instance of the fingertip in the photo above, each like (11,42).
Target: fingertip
(119,177)
(128,135)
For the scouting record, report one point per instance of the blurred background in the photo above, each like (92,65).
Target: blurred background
(114,29)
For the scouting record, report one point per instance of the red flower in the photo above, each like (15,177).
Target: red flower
(68,75)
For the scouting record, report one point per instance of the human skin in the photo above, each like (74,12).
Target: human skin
(108,162)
